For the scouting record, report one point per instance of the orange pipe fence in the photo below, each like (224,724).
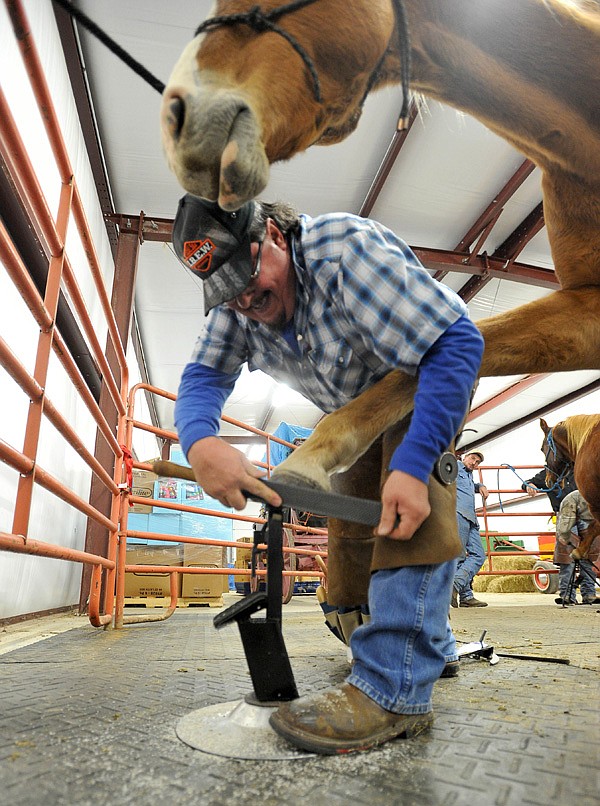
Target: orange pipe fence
(124,567)
(52,235)
(485,512)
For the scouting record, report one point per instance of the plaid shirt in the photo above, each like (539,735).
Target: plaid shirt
(364,306)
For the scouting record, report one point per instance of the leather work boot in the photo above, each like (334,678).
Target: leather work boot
(454,599)
(473,603)
(451,669)
(343,720)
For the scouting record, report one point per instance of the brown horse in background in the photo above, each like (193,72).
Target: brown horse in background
(243,96)
(576,441)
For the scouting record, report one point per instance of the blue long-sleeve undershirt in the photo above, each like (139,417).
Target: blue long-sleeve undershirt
(446,376)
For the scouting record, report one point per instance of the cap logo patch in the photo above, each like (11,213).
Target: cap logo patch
(198,254)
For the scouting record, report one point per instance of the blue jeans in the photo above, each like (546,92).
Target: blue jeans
(587,585)
(472,558)
(401,652)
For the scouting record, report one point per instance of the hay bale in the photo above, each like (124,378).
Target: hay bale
(522,583)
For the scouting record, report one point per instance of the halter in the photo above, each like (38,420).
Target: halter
(566,464)
(260,21)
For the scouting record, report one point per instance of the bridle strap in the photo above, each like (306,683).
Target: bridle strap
(261,21)
(566,464)
(113,46)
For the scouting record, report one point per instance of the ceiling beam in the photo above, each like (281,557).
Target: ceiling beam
(577,394)
(506,394)
(386,165)
(508,251)
(494,208)
(161,230)
(520,237)
(484,224)
(482,265)
(86,114)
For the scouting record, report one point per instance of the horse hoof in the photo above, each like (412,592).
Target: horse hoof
(298,480)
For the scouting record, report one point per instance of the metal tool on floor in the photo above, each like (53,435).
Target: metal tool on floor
(478,649)
(241,729)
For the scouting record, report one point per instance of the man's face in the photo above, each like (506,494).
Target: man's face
(270,296)
(471,461)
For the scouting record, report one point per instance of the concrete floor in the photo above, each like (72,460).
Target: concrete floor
(88,716)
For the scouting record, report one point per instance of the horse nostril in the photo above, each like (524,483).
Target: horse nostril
(176,117)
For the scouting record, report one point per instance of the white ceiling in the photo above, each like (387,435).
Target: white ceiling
(448,171)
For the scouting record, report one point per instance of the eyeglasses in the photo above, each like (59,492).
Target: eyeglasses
(251,280)
(256,272)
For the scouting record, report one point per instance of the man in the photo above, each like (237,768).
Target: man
(556,494)
(329,306)
(473,555)
(574,518)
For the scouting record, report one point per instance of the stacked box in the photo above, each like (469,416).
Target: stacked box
(205,586)
(243,558)
(154,584)
(143,486)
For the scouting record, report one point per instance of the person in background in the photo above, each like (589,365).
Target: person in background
(573,518)
(473,555)
(329,305)
(556,494)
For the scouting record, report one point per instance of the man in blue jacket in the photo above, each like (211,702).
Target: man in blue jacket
(473,555)
(329,306)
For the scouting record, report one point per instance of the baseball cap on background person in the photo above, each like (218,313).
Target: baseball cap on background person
(215,245)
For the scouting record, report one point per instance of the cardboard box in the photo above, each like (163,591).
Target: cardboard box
(143,486)
(195,554)
(205,586)
(243,559)
(138,584)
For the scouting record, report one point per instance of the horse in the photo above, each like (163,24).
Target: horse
(258,85)
(575,442)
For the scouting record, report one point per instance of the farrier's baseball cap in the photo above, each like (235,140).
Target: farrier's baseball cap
(215,245)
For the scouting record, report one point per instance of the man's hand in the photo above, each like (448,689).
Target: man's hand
(483,491)
(531,490)
(405,497)
(224,472)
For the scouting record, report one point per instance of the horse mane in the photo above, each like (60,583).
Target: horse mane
(577,429)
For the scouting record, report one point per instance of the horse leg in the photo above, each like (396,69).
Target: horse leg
(587,538)
(558,333)
(343,436)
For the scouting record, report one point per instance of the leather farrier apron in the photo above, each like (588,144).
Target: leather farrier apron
(354,551)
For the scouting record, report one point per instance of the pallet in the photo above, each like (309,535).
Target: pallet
(164,601)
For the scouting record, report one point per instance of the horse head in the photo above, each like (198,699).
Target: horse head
(557,458)
(247,94)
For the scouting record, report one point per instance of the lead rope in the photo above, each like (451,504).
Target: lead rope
(261,21)
(122,54)
(555,486)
